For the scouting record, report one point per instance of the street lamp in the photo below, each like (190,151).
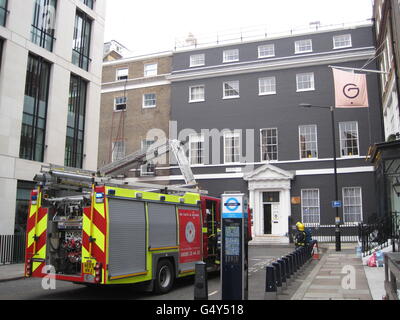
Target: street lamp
(337,218)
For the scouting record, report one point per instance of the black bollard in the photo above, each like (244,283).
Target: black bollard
(270,283)
(291,265)
(298,256)
(294,261)
(277,267)
(287,269)
(200,281)
(283,274)
(301,254)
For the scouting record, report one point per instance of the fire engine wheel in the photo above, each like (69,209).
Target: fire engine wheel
(164,277)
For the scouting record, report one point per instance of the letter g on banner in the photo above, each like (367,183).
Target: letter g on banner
(351,91)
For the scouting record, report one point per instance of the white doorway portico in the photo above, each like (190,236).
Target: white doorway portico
(269,190)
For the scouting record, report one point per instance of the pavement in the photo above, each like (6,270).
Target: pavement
(336,276)
(10,272)
(342,276)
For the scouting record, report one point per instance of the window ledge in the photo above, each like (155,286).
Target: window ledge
(344,47)
(300,52)
(227,61)
(230,97)
(265,57)
(305,90)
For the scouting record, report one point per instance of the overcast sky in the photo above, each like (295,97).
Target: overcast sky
(150,26)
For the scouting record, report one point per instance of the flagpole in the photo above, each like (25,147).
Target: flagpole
(357,69)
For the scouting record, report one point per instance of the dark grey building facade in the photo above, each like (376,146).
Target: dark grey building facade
(249,134)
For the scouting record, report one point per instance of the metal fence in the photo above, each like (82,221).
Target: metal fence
(380,233)
(12,249)
(326,233)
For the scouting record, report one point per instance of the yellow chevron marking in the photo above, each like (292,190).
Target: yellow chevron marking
(34,209)
(30,237)
(41,254)
(99,236)
(86,225)
(39,228)
(96,233)
(35,265)
(99,207)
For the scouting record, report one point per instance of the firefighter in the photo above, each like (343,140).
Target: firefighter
(300,235)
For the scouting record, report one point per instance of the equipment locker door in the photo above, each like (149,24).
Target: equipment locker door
(127,236)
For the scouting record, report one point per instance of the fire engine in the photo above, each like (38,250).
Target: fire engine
(95,229)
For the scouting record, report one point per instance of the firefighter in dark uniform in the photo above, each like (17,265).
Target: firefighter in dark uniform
(300,235)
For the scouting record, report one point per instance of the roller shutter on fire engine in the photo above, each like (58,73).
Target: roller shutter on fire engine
(127,236)
(162,225)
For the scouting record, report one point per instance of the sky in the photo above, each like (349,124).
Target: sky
(151,26)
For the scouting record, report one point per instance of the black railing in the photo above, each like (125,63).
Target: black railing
(379,233)
(326,233)
(12,249)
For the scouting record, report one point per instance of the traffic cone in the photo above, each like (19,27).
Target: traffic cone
(315,253)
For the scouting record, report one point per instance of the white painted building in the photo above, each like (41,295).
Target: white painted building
(51,54)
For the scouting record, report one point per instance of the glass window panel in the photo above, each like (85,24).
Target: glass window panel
(81,40)
(35,109)
(231,55)
(310,206)
(267,50)
(43,24)
(76,122)
(231,89)
(308,142)
(269,144)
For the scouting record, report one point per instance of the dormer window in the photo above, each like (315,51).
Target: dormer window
(231,55)
(303,46)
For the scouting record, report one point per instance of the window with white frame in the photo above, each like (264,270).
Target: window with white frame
(303,46)
(196,93)
(269,144)
(267,86)
(308,142)
(196,149)
(266,50)
(352,204)
(231,89)
(305,81)
(342,41)
(310,206)
(232,147)
(118,150)
(122,74)
(349,138)
(147,169)
(150,69)
(149,100)
(197,60)
(231,55)
(120,103)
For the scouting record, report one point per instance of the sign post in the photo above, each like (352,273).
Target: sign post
(234,262)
